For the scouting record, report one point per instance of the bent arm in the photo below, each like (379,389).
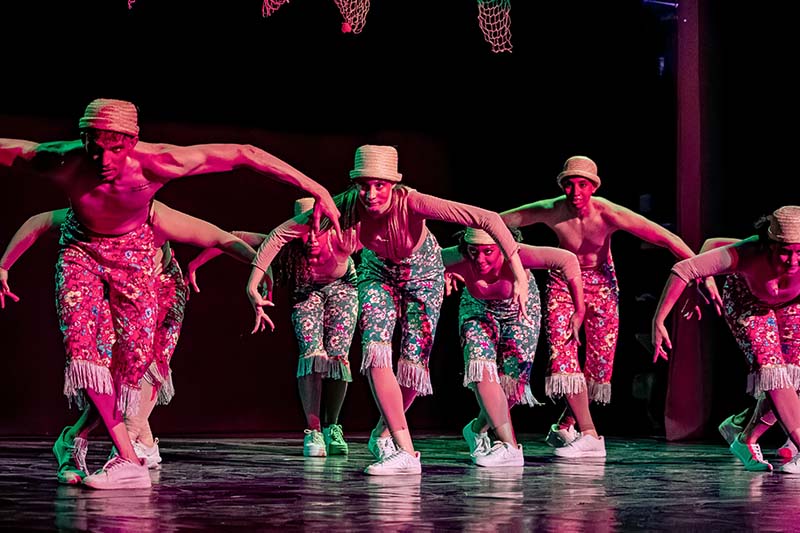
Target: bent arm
(180,227)
(294,228)
(527,214)
(165,162)
(14,151)
(647,230)
(435,208)
(29,233)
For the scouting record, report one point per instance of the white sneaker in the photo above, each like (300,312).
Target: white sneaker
(502,454)
(119,473)
(479,443)
(149,453)
(787,451)
(583,446)
(313,444)
(558,438)
(334,440)
(399,463)
(792,467)
(381,447)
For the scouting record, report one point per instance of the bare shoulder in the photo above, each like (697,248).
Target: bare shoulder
(52,156)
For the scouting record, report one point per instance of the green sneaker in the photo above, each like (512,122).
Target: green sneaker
(750,455)
(334,440)
(71,457)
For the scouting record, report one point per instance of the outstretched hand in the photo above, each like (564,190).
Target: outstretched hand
(520,297)
(325,206)
(191,278)
(262,319)
(660,339)
(575,322)
(704,293)
(451,281)
(5,292)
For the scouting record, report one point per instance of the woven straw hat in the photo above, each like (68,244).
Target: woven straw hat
(302,205)
(377,162)
(477,236)
(111,115)
(582,166)
(784,224)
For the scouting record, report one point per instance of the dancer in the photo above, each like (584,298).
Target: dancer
(110,179)
(321,276)
(499,347)
(584,224)
(400,275)
(761,300)
(71,447)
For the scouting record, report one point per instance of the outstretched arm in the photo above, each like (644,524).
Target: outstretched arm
(435,208)
(14,151)
(26,235)
(647,230)
(718,261)
(252,239)
(527,214)
(165,162)
(540,257)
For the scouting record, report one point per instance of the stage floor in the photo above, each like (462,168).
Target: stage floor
(256,484)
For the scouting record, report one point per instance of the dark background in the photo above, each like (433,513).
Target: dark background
(491,130)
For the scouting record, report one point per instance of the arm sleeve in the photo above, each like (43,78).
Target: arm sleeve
(277,238)
(467,215)
(551,258)
(718,261)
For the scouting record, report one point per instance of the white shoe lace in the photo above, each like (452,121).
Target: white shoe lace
(397,458)
(755,449)
(483,445)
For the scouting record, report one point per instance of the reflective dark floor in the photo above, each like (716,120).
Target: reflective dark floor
(265,484)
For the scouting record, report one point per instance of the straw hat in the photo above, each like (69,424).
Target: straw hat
(477,236)
(302,205)
(111,115)
(582,166)
(784,224)
(377,162)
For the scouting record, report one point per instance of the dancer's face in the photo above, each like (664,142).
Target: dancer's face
(485,258)
(108,151)
(787,258)
(578,191)
(374,194)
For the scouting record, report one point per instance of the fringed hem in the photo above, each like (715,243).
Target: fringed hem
(81,374)
(475,371)
(515,395)
(312,363)
(128,399)
(164,385)
(339,369)
(166,391)
(773,377)
(414,376)
(378,355)
(564,384)
(599,392)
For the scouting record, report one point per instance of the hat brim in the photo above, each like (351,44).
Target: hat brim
(594,178)
(357,174)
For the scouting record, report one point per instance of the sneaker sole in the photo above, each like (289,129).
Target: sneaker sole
(338,450)
(503,465)
(581,455)
(138,485)
(405,472)
(313,453)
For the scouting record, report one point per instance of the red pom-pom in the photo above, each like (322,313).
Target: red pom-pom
(346,28)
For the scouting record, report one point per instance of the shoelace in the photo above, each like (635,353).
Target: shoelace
(399,456)
(756,449)
(114,463)
(336,432)
(484,446)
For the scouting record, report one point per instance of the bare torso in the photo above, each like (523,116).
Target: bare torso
(111,207)
(587,235)
(332,258)
(772,288)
